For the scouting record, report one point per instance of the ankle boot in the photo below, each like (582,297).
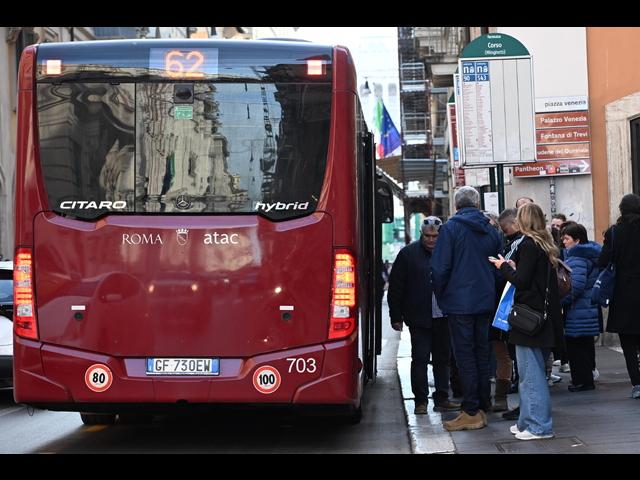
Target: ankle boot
(500,397)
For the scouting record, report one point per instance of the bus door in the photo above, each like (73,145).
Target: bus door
(373,274)
(384,214)
(379,196)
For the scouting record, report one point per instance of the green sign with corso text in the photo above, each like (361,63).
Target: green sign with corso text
(494,45)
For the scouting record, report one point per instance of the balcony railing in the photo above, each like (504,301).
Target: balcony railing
(439,41)
(412,76)
(415,124)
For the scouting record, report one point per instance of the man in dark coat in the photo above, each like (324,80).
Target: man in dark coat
(411,301)
(621,247)
(464,284)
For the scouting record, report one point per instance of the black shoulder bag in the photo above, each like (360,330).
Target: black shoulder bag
(525,319)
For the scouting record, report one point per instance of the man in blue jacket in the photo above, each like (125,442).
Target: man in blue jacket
(411,301)
(464,284)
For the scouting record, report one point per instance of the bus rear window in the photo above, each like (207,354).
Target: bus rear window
(87,147)
(184,148)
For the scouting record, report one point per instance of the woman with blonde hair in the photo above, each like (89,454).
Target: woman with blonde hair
(536,287)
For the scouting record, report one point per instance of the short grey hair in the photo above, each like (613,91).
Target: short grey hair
(466,197)
(508,215)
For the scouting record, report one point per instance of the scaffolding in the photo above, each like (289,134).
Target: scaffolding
(424,54)
(414,108)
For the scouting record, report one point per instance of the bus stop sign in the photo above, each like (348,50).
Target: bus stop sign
(497,111)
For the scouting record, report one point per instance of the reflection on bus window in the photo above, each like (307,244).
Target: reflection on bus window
(155,148)
(236,146)
(87,144)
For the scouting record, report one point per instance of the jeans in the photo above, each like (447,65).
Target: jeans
(470,342)
(430,342)
(535,401)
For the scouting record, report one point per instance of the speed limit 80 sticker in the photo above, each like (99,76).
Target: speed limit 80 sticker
(266,379)
(98,378)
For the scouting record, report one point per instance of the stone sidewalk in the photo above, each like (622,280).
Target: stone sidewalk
(604,420)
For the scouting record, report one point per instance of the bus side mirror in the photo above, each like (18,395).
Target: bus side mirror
(384,202)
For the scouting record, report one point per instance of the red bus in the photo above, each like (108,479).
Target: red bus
(196,224)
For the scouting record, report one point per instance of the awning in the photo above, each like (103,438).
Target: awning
(412,169)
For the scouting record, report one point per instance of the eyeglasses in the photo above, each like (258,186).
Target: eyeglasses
(432,222)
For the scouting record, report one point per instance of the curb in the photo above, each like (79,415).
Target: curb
(426,433)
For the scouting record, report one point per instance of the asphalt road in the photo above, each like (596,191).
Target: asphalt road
(382,430)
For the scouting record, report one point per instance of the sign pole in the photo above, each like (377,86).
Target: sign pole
(492,183)
(552,194)
(492,179)
(500,170)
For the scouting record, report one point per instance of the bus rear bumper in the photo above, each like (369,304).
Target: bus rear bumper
(58,378)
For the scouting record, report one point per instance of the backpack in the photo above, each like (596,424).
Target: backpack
(602,292)
(564,279)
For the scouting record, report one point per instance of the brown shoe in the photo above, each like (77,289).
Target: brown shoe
(447,406)
(420,409)
(483,414)
(464,421)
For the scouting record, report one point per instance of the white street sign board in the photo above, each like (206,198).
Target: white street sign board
(496,104)
(491,202)
(562,104)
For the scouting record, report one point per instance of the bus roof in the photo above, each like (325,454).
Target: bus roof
(284,43)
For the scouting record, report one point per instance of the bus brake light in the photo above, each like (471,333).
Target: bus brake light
(343,301)
(24,318)
(53,67)
(315,67)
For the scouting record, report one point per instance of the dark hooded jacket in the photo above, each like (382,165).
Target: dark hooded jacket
(464,280)
(623,249)
(582,319)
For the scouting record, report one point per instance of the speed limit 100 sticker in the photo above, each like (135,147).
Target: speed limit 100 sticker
(266,379)
(98,378)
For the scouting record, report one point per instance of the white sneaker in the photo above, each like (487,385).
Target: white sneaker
(527,435)
(596,375)
(553,379)
(514,429)
(556,363)
(565,368)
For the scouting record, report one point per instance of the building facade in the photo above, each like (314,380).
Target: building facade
(272,32)
(15,40)
(561,78)
(614,103)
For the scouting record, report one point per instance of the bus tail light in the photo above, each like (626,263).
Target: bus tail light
(343,297)
(315,68)
(24,315)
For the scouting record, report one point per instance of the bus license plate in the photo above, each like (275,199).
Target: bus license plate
(183,366)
